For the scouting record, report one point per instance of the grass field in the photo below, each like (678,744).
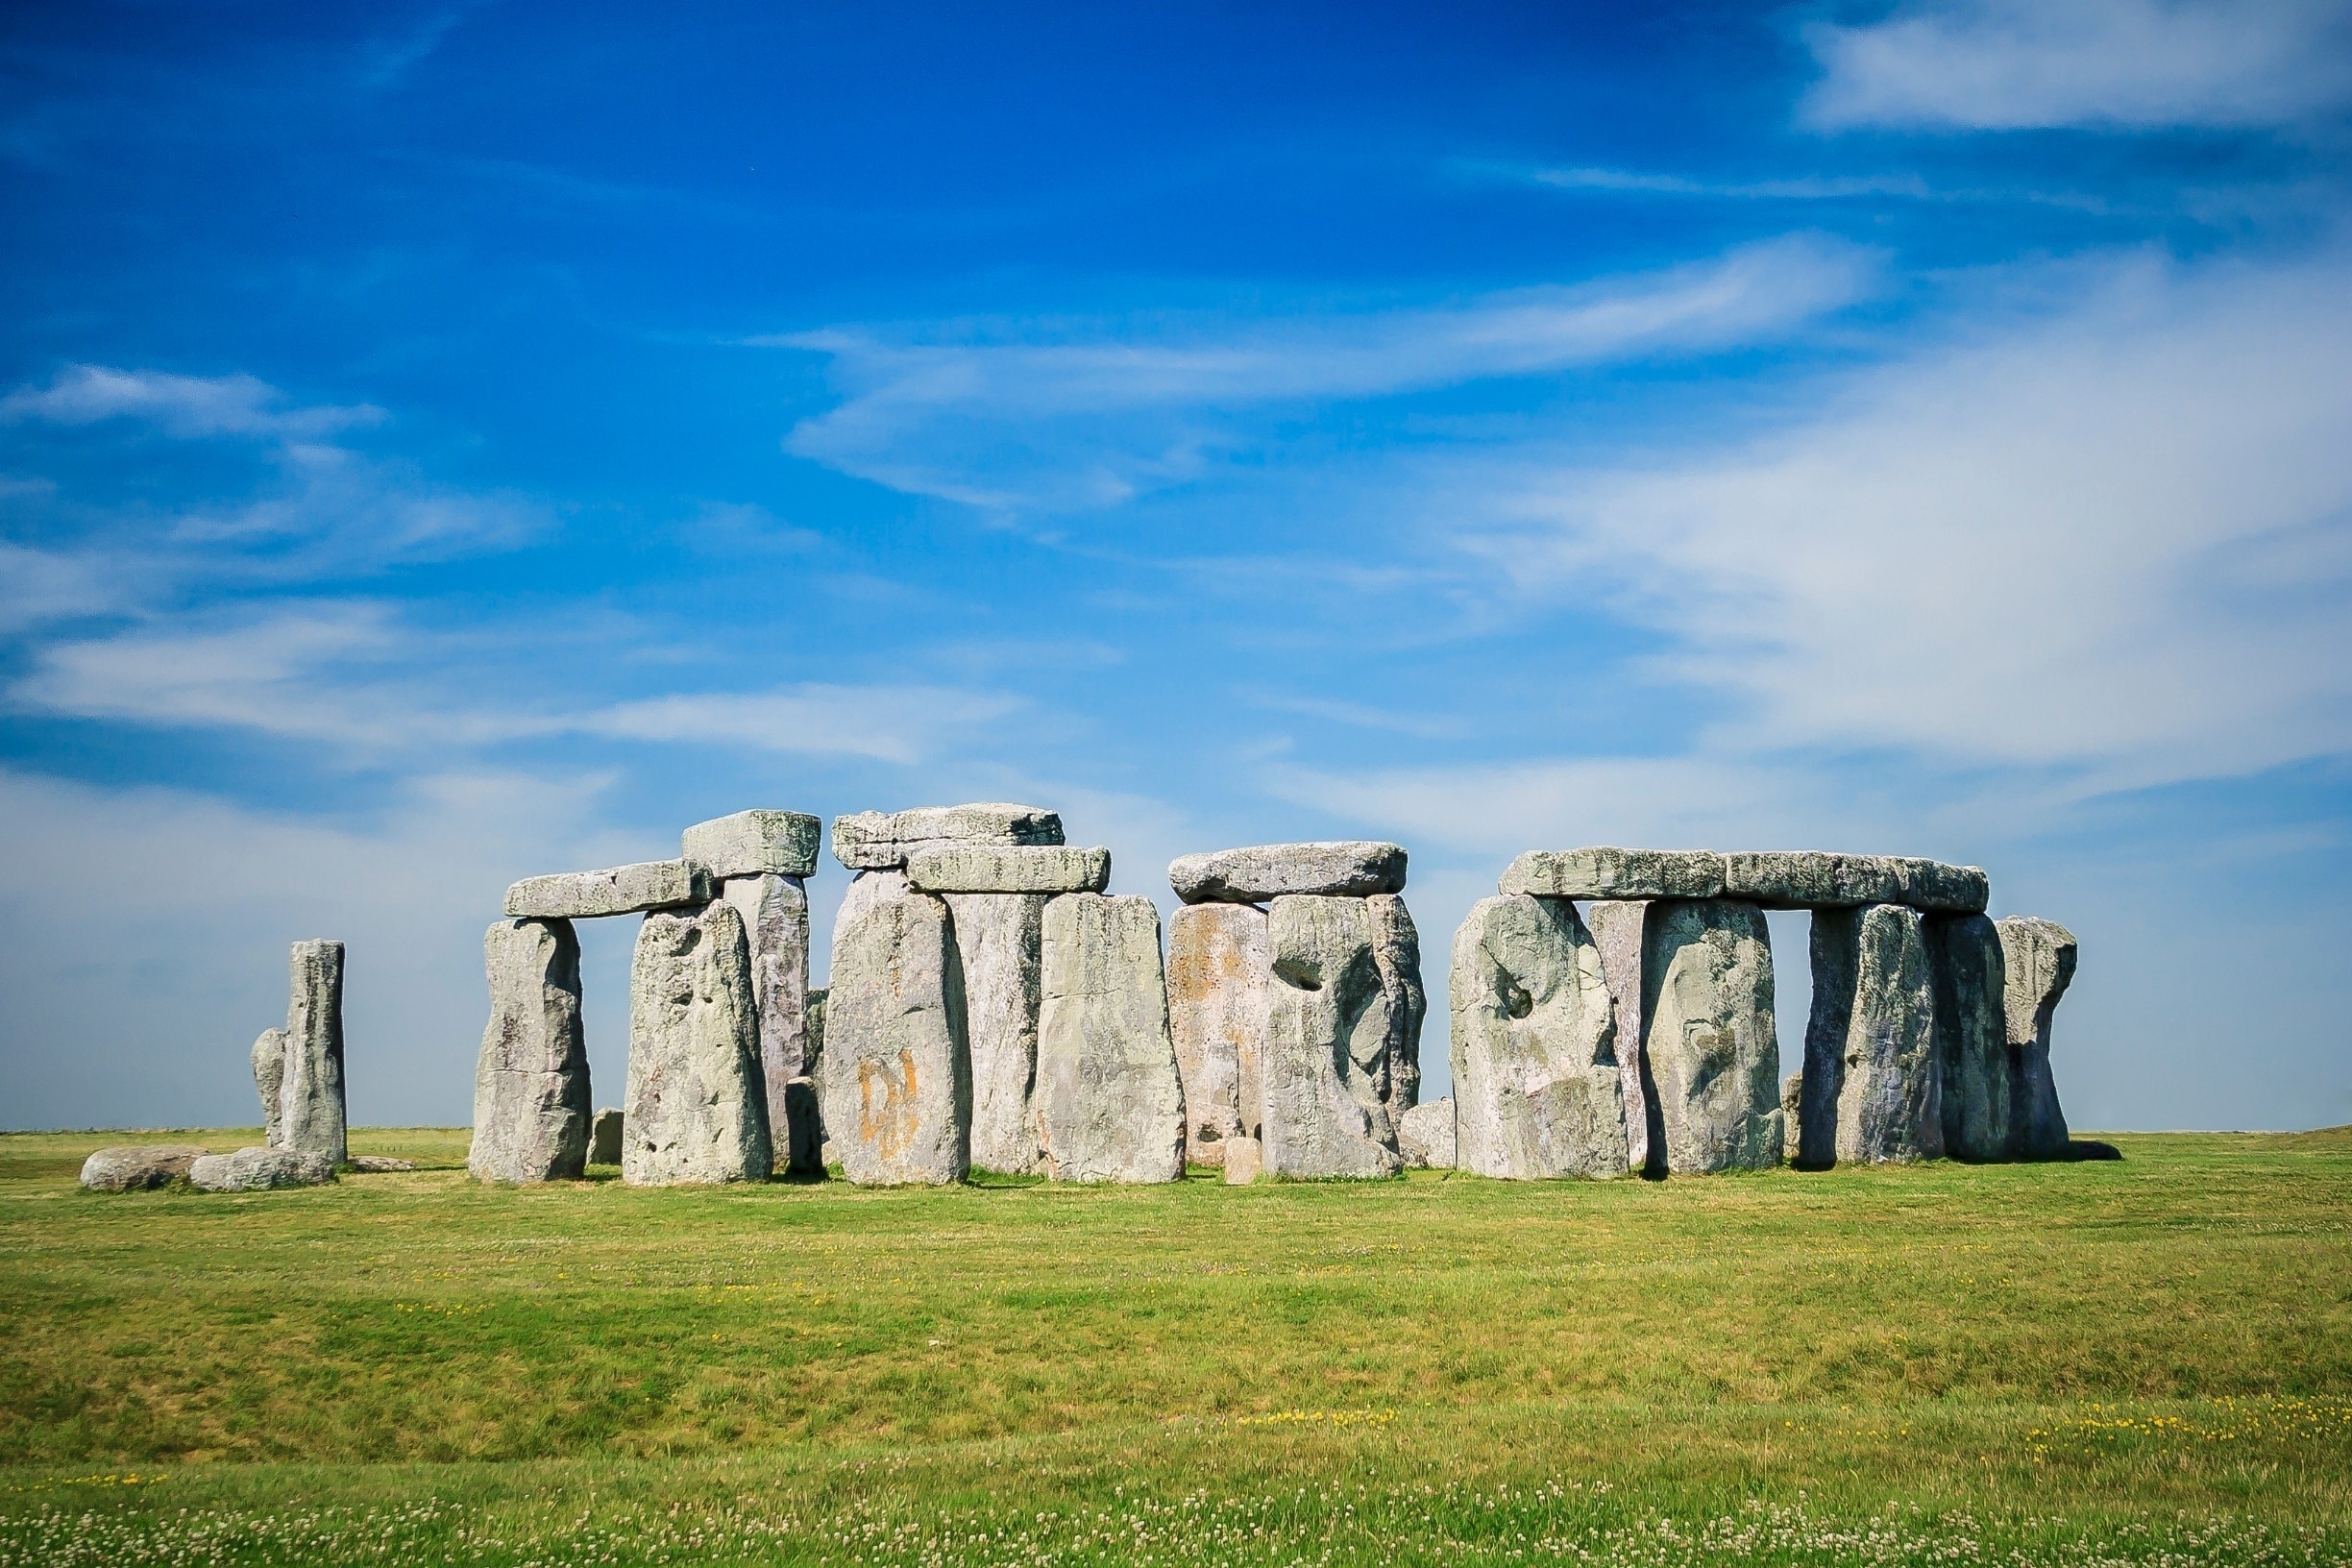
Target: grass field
(2147,1360)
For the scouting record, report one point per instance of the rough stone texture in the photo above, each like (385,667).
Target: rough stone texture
(896,1085)
(1244,1159)
(1396,952)
(1616,929)
(1601,873)
(604,1137)
(1810,879)
(135,1167)
(1219,969)
(881,840)
(1792,1117)
(1964,964)
(531,1082)
(1534,1037)
(1018,867)
(257,1170)
(622,890)
(378,1164)
(755,844)
(312,1092)
(1000,940)
(1109,1100)
(2038,958)
(269,1064)
(1327,1044)
(1873,1090)
(1712,1056)
(697,1106)
(1939,889)
(1424,1135)
(775,917)
(1350,870)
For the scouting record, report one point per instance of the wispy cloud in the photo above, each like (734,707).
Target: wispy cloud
(178,406)
(1803,189)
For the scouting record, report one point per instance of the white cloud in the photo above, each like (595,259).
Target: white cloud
(180,405)
(890,723)
(39,585)
(2013,64)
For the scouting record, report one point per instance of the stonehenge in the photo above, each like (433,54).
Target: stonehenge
(1873,1090)
(530,1083)
(1536,1090)
(298,1071)
(897,1091)
(1710,1048)
(1109,1098)
(697,1106)
(1219,970)
(2038,965)
(1324,1067)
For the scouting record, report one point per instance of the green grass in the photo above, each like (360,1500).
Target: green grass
(2139,1362)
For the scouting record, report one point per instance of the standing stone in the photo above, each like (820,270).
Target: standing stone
(1396,952)
(1426,1136)
(2038,960)
(1109,1100)
(696,1109)
(269,1064)
(1964,957)
(1352,869)
(1219,970)
(313,1091)
(530,1084)
(775,917)
(1328,1032)
(1713,1055)
(1244,1160)
(1616,928)
(1872,1092)
(897,1061)
(1536,1082)
(605,1136)
(1000,938)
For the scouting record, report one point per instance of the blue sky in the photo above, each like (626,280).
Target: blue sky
(440,445)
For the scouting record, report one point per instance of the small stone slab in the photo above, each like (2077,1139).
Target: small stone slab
(378,1164)
(1811,879)
(755,844)
(880,841)
(989,868)
(1425,1136)
(258,1171)
(1602,873)
(622,890)
(138,1168)
(604,1137)
(1244,1159)
(1939,889)
(1351,868)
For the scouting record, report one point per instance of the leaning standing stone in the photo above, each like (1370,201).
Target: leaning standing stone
(1964,958)
(1713,1054)
(1871,1087)
(696,1109)
(1616,926)
(897,1062)
(530,1084)
(312,1092)
(1327,1044)
(1536,1082)
(1000,938)
(259,1171)
(776,917)
(269,1064)
(1396,952)
(1110,1102)
(2038,958)
(1218,971)
(138,1168)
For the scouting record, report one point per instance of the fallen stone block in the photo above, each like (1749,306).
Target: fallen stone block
(1932,886)
(1810,879)
(1243,1161)
(1009,868)
(1601,873)
(1350,870)
(1219,968)
(622,890)
(881,840)
(259,1171)
(1426,1137)
(530,1080)
(1872,1092)
(1327,1043)
(754,844)
(1710,1041)
(1535,1081)
(377,1165)
(775,917)
(1616,928)
(269,1066)
(1971,981)
(999,940)
(897,1061)
(1109,1101)
(2038,958)
(697,1106)
(312,1091)
(138,1168)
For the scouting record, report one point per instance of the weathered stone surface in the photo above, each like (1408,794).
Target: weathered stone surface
(620,890)
(1219,968)
(269,1064)
(377,1165)
(897,1063)
(1939,889)
(604,1137)
(1000,940)
(257,1170)
(1326,1043)
(1535,1081)
(1109,1101)
(776,917)
(135,1167)
(1008,868)
(1243,1160)
(804,1115)
(1713,1056)
(1810,879)
(697,1106)
(1601,873)
(2038,962)
(880,841)
(531,1082)
(1616,929)
(1396,952)
(1872,1085)
(1965,966)
(1424,1135)
(754,844)
(1792,1119)
(1351,868)
(313,1091)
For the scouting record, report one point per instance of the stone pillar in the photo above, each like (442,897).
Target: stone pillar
(2038,960)
(1396,952)
(1713,1054)
(269,1066)
(531,1103)
(1971,979)
(1616,927)
(1328,1032)
(775,917)
(1218,971)
(1109,1098)
(1000,940)
(1873,1090)
(1536,1090)
(311,1094)
(897,1061)
(696,1107)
